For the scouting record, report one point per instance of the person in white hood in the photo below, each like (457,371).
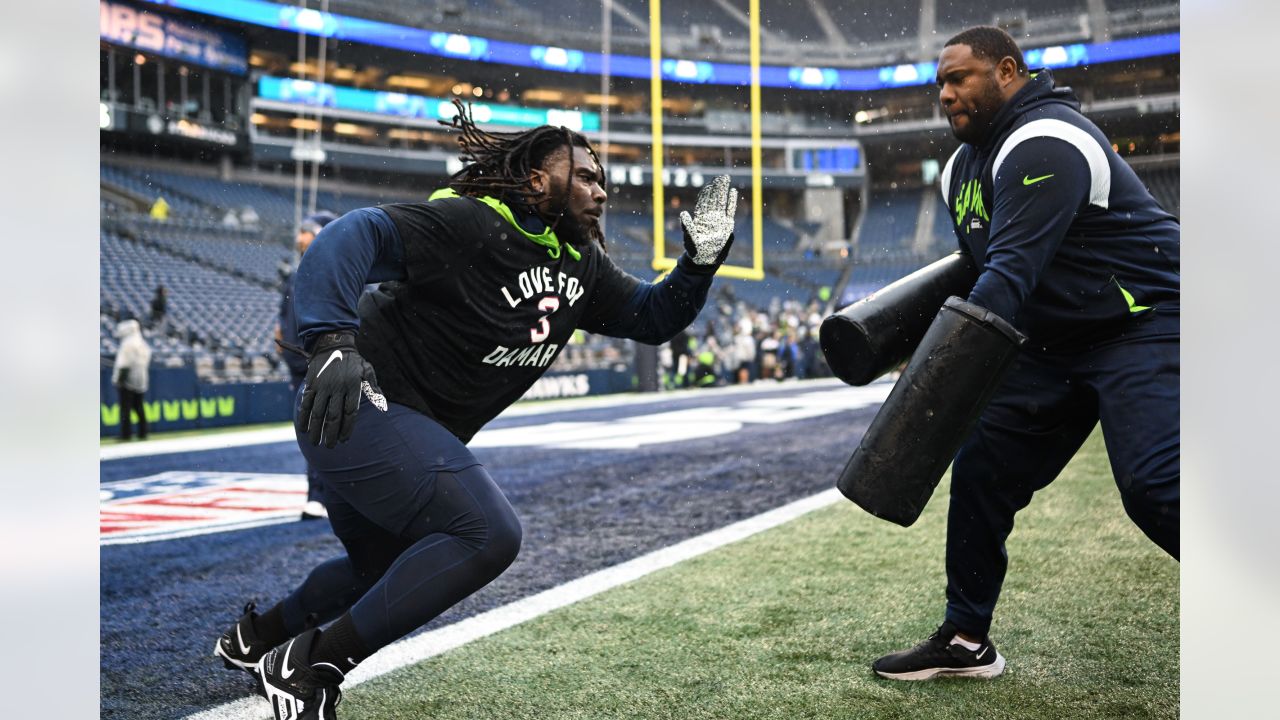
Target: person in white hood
(130,374)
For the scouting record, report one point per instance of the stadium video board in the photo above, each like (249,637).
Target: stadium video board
(837,159)
(130,25)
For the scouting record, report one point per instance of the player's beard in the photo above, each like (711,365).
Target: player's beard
(570,230)
(982,115)
(579,234)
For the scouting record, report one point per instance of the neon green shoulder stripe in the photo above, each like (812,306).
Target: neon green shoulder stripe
(546,239)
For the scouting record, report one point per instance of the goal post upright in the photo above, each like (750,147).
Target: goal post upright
(660,260)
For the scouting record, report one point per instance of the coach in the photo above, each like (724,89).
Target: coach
(1075,253)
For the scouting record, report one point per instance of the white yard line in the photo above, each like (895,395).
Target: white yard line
(285,433)
(421,647)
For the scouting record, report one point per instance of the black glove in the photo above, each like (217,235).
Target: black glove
(336,378)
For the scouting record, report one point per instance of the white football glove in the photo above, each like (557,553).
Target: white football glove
(709,232)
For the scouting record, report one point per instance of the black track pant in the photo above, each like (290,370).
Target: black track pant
(1044,410)
(131,403)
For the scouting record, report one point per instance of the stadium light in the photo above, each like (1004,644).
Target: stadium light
(408,81)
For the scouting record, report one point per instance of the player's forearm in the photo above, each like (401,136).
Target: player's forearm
(656,312)
(1018,257)
(361,247)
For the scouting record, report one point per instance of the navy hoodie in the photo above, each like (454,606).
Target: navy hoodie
(1073,249)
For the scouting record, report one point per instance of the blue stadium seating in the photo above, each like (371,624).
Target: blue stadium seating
(150,190)
(870,277)
(273,205)
(1164,185)
(233,251)
(870,22)
(676,18)
(942,226)
(206,197)
(889,223)
(631,232)
(206,305)
(792,18)
(955,15)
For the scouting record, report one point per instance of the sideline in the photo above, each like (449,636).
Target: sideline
(267,436)
(436,642)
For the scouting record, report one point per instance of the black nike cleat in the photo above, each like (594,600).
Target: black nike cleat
(938,656)
(296,689)
(240,647)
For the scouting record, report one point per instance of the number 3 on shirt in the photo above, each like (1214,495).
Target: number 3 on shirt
(548,305)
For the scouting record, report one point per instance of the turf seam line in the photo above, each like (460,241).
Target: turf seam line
(429,644)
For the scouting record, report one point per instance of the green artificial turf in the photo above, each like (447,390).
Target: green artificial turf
(786,623)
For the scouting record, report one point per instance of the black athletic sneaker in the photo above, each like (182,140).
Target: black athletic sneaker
(296,689)
(240,648)
(938,656)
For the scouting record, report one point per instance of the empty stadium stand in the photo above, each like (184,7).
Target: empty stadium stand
(889,224)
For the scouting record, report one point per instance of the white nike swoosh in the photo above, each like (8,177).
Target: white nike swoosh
(337,355)
(984,652)
(285,670)
(244,649)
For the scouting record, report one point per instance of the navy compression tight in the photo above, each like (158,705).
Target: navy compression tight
(422,522)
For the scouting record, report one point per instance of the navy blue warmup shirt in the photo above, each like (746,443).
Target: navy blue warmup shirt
(1072,246)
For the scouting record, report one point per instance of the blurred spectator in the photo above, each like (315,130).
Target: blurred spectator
(665,366)
(130,375)
(160,209)
(744,353)
(159,304)
(681,345)
(767,356)
(249,217)
(705,372)
(287,336)
(230,220)
(812,362)
(789,359)
(711,359)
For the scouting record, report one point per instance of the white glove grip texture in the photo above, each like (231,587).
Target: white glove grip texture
(711,224)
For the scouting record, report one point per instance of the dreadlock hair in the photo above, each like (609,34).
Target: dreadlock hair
(502,164)
(990,43)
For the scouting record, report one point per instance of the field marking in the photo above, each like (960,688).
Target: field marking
(181,504)
(194,444)
(672,426)
(280,519)
(285,433)
(436,642)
